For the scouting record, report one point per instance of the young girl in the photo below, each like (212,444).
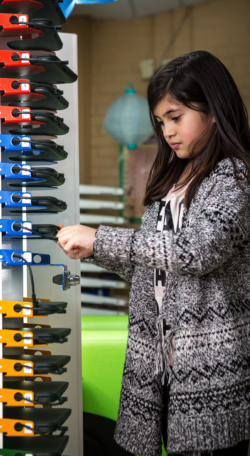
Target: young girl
(187,369)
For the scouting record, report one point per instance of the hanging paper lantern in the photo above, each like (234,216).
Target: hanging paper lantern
(127,119)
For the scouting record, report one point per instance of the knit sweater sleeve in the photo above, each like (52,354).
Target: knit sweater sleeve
(124,270)
(218,227)
(121,266)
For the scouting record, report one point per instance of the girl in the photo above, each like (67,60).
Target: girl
(187,369)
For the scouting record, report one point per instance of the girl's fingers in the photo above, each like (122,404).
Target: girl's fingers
(63,239)
(71,245)
(65,235)
(76,241)
(63,231)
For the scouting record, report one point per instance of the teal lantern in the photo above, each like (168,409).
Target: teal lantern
(127,119)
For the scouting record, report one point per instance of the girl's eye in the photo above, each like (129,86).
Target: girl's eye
(176,118)
(160,124)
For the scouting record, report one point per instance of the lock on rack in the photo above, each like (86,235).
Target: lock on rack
(46,68)
(66,279)
(23,175)
(22,92)
(19,229)
(20,258)
(26,308)
(38,33)
(33,204)
(23,148)
(48,9)
(18,120)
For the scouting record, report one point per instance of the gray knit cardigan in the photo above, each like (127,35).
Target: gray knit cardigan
(206,304)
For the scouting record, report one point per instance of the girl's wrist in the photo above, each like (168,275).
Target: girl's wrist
(93,251)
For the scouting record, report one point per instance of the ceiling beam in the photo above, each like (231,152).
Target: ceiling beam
(133,8)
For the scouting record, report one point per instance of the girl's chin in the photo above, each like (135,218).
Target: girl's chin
(182,154)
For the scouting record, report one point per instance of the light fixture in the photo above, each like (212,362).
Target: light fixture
(89,2)
(68,5)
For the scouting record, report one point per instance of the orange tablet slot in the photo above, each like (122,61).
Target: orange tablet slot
(16,309)
(16,368)
(16,398)
(16,428)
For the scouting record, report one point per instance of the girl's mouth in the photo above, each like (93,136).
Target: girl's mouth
(174,145)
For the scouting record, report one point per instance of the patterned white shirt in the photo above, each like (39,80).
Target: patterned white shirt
(169,218)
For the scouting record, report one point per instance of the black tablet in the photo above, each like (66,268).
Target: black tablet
(40,204)
(48,308)
(46,393)
(44,335)
(39,150)
(39,35)
(40,96)
(39,177)
(36,446)
(46,68)
(45,420)
(41,123)
(46,364)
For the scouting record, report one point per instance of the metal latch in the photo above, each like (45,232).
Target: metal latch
(66,279)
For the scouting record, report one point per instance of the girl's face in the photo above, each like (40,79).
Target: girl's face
(182,127)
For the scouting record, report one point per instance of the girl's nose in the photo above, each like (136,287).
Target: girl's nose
(168,131)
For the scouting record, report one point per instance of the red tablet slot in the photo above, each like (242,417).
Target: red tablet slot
(14,59)
(12,86)
(18,90)
(13,21)
(17,63)
(15,115)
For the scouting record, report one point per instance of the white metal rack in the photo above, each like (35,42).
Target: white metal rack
(95,299)
(101,282)
(90,219)
(89,267)
(13,283)
(95,204)
(68,192)
(99,190)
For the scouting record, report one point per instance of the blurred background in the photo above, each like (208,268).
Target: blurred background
(113,39)
(120,45)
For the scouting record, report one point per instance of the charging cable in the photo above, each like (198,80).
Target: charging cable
(19,427)
(18,225)
(21,257)
(19,397)
(52,172)
(46,60)
(16,84)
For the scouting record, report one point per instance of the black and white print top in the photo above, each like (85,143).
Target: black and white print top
(169,218)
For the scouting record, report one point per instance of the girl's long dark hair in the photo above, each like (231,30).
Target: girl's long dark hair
(199,81)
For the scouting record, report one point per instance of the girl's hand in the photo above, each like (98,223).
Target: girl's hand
(77,241)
